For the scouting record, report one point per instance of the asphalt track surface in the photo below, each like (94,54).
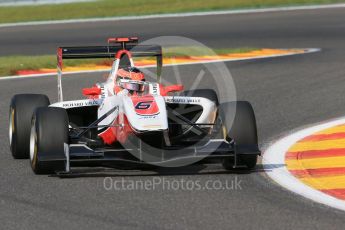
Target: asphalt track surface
(287,93)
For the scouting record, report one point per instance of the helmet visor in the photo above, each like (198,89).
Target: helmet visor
(133,86)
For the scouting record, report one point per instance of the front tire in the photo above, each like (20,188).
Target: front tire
(239,124)
(22,108)
(49,134)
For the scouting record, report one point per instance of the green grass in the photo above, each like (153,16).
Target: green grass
(11,64)
(111,8)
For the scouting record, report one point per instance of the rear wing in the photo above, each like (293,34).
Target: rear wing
(84,52)
(109,51)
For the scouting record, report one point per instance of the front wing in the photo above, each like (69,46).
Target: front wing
(213,151)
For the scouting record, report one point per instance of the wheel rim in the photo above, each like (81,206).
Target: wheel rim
(11,126)
(33,142)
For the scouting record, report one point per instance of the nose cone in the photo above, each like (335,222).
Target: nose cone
(146,113)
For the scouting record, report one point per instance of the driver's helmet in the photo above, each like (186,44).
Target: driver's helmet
(131,78)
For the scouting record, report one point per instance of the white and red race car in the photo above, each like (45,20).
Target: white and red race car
(128,121)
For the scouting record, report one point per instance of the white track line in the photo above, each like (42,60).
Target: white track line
(308,50)
(274,162)
(178,15)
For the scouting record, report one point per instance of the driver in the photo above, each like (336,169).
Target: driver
(130,79)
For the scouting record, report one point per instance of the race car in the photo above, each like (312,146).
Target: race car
(128,121)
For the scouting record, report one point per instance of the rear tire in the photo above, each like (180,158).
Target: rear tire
(22,108)
(49,134)
(238,120)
